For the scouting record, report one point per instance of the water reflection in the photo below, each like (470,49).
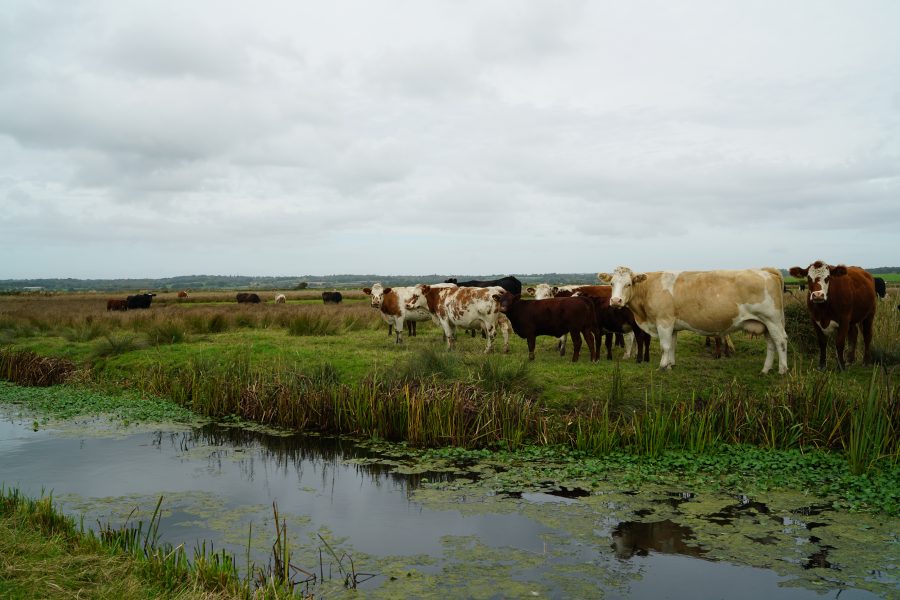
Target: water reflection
(638,539)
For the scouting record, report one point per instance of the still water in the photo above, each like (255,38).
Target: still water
(422,535)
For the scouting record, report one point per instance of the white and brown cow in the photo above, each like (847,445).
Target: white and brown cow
(705,302)
(392,304)
(464,307)
(280,299)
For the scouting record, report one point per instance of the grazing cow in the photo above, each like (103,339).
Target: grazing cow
(332,297)
(139,300)
(391,303)
(280,299)
(510,284)
(247,298)
(840,299)
(465,307)
(705,302)
(880,287)
(182,294)
(115,304)
(553,316)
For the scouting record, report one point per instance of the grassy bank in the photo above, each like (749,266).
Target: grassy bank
(334,369)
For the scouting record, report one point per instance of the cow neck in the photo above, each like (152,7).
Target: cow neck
(638,302)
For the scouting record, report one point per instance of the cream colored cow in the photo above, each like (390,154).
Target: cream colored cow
(705,302)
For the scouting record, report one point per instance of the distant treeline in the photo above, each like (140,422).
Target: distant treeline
(244,282)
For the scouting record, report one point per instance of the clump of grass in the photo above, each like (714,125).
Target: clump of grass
(496,375)
(325,375)
(85,332)
(115,344)
(799,328)
(871,427)
(313,324)
(28,368)
(166,333)
(428,363)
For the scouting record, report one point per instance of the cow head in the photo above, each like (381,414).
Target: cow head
(377,292)
(622,281)
(818,277)
(417,298)
(506,300)
(542,291)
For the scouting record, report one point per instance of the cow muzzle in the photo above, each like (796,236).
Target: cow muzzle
(616,302)
(817,297)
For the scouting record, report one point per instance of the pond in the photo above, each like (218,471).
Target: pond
(445,530)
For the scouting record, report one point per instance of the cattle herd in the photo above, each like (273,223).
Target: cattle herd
(630,308)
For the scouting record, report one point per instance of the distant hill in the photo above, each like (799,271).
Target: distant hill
(244,282)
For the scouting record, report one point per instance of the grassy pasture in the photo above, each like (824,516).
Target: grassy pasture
(244,358)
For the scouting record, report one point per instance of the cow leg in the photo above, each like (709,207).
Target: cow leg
(620,340)
(666,344)
(390,330)
(576,344)
(593,343)
(411,328)
(852,335)
(866,327)
(729,345)
(643,339)
(531,341)
(490,332)
(629,345)
(776,341)
(561,344)
(839,340)
(398,327)
(823,344)
(717,352)
(608,341)
(504,330)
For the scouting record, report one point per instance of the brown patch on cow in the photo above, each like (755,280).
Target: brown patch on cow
(390,303)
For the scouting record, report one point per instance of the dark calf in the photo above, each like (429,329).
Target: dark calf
(614,320)
(554,316)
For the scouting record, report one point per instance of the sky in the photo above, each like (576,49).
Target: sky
(156,139)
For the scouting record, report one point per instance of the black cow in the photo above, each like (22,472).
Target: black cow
(139,301)
(332,297)
(510,284)
(880,287)
(247,298)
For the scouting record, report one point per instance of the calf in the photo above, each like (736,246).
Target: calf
(880,287)
(247,298)
(465,307)
(332,297)
(553,316)
(115,304)
(615,321)
(839,299)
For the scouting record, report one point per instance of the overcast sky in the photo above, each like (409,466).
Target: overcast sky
(154,139)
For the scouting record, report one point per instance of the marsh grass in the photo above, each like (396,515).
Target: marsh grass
(313,324)
(113,344)
(29,368)
(166,333)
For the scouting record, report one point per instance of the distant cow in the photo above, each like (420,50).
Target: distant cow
(465,307)
(880,287)
(182,294)
(705,302)
(509,283)
(139,300)
(280,299)
(553,316)
(840,299)
(247,298)
(332,297)
(722,343)
(115,304)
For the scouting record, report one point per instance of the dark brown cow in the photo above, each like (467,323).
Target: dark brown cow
(553,316)
(332,297)
(840,298)
(114,304)
(182,294)
(247,298)
(612,320)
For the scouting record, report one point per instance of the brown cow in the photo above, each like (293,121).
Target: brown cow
(614,320)
(840,298)
(247,298)
(114,304)
(553,316)
(182,294)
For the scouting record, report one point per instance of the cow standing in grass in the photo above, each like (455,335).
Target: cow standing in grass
(116,304)
(705,302)
(839,299)
(553,316)
(464,307)
(247,298)
(391,303)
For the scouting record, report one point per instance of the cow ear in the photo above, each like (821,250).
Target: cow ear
(367,291)
(604,277)
(425,288)
(530,291)
(496,297)
(554,290)
(838,271)
(639,278)
(798,272)
(387,290)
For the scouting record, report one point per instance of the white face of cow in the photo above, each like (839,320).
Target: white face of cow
(377,294)
(417,298)
(818,277)
(542,291)
(622,281)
